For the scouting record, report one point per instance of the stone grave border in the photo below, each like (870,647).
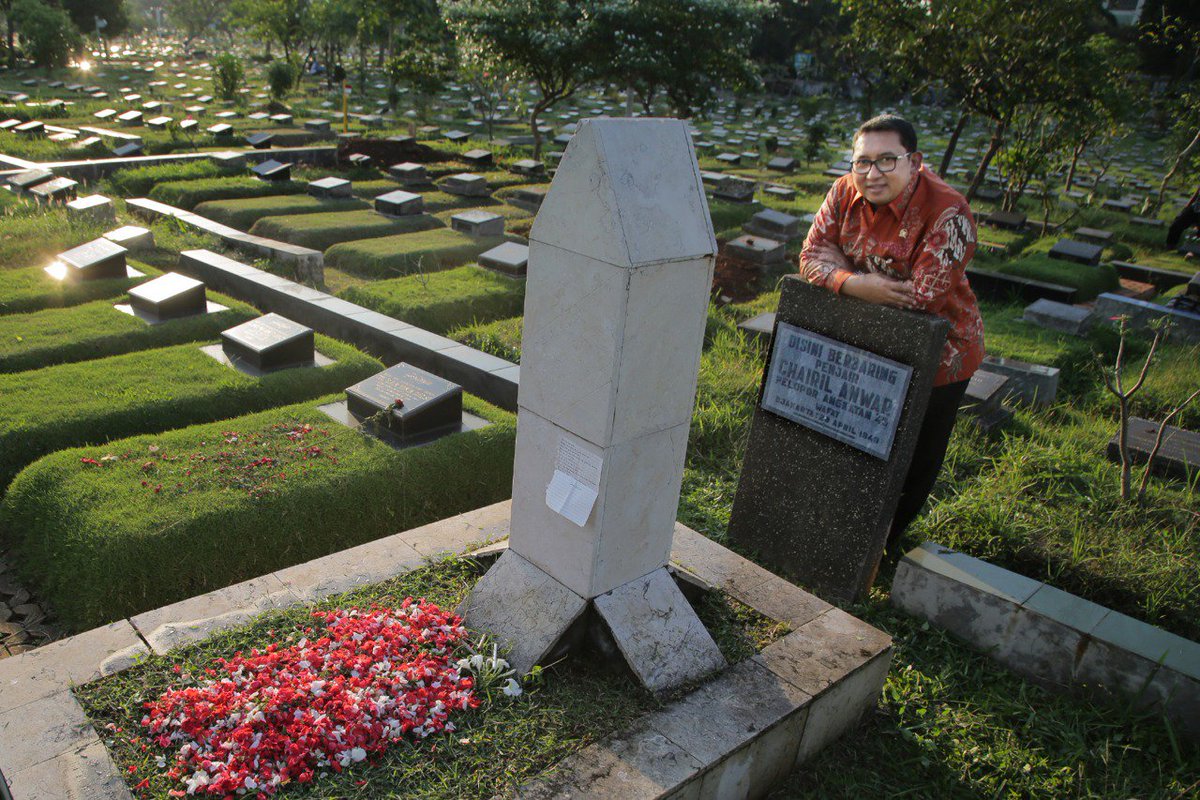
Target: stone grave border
(391,340)
(734,736)
(1057,640)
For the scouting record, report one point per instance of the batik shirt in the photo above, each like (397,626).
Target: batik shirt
(926,235)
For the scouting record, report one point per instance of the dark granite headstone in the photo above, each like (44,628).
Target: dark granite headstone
(29,178)
(221,129)
(527,166)
(1178,457)
(510,258)
(457,136)
(1094,235)
(273,171)
(1079,252)
(330,187)
(97,260)
(1010,220)
(409,173)
(782,164)
(270,342)
(399,203)
(170,296)
(478,157)
(260,140)
(422,404)
(735,189)
(478,223)
(849,383)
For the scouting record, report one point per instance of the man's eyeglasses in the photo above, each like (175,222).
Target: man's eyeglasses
(884,164)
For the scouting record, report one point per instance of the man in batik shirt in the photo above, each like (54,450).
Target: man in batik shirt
(892,232)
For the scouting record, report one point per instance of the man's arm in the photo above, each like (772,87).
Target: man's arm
(822,262)
(940,261)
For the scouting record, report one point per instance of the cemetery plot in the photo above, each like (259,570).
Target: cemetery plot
(1089,280)
(134,524)
(427,251)
(188,194)
(444,300)
(243,213)
(97,330)
(323,230)
(152,390)
(31,289)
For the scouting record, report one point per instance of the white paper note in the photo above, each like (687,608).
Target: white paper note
(575,486)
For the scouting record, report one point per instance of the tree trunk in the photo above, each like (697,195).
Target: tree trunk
(948,156)
(537,135)
(1076,152)
(993,146)
(12,54)
(1179,159)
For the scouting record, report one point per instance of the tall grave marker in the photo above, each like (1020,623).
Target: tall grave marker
(834,431)
(620,264)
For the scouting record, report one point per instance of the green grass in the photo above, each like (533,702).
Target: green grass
(391,256)
(97,330)
(727,215)
(190,193)
(501,338)
(1089,280)
(243,213)
(143,528)
(441,301)
(322,231)
(146,392)
(138,181)
(31,237)
(31,289)
(495,748)
(436,201)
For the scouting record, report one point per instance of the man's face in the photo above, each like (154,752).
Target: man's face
(878,187)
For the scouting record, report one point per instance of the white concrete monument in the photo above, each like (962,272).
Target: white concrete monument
(620,266)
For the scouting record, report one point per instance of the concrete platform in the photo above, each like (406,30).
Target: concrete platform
(732,737)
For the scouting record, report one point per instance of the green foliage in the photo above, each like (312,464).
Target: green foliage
(323,230)
(242,213)
(281,79)
(501,338)
(30,236)
(31,289)
(97,330)
(93,401)
(48,35)
(1089,280)
(190,193)
(229,75)
(182,513)
(391,256)
(441,301)
(140,181)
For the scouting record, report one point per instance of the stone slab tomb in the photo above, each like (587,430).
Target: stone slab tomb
(478,157)
(24,181)
(1178,455)
(1056,316)
(406,405)
(409,173)
(269,343)
(132,237)
(1079,252)
(478,223)
(756,250)
(273,170)
(260,141)
(773,224)
(834,431)
(170,296)
(511,258)
(399,203)
(620,264)
(527,166)
(465,184)
(99,259)
(56,190)
(94,208)
(330,187)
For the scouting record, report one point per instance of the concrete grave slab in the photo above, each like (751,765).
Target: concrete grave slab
(1055,316)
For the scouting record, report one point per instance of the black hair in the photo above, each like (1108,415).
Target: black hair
(891,122)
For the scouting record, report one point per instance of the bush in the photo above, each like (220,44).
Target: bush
(141,181)
(103,541)
(281,78)
(31,289)
(154,390)
(1089,280)
(442,301)
(188,194)
(243,213)
(97,330)
(391,256)
(48,35)
(320,231)
(228,76)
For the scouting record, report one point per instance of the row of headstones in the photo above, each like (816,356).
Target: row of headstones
(408,403)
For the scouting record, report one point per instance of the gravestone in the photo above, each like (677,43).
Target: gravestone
(457,136)
(527,166)
(529,198)
(24,181)
(1056,316)
(1033,384)
(1178,455)
(188,124)
(399,203)
(774,224)
(273,171)
(221,130)
(105,113)
(9,124)
(330,187)
(31,128)
(1094,235)
(96,260)
(170,296)
(983,402)
(159,123)
(465,184)
(130,119)
(782,164)
(478,157)
(781,192)
(730,159)
(281,119)
(1124,206)
(261,140)
(478,223)
(417,404)
(94,208)
(756,250)
(58,190)
(317,125)
(271,342)
(620,266)
(510,258)
(1009,220)
(132,237)
(1079,252)
(736,189)
(128,149)
(840,406)
(409,173)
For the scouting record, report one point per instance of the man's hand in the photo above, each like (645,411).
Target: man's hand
(881,290)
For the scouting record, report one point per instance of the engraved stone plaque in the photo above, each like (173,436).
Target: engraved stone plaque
(423,403)
(270,342)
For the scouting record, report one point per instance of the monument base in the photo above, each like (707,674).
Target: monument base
(652,624)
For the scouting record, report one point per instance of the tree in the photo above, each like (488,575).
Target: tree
(1175,35)
(194,17)
(549,42)
(489,82)
(286,22)
(684,49)
(48,35)
(228,76)
(84,14)
(281,79)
